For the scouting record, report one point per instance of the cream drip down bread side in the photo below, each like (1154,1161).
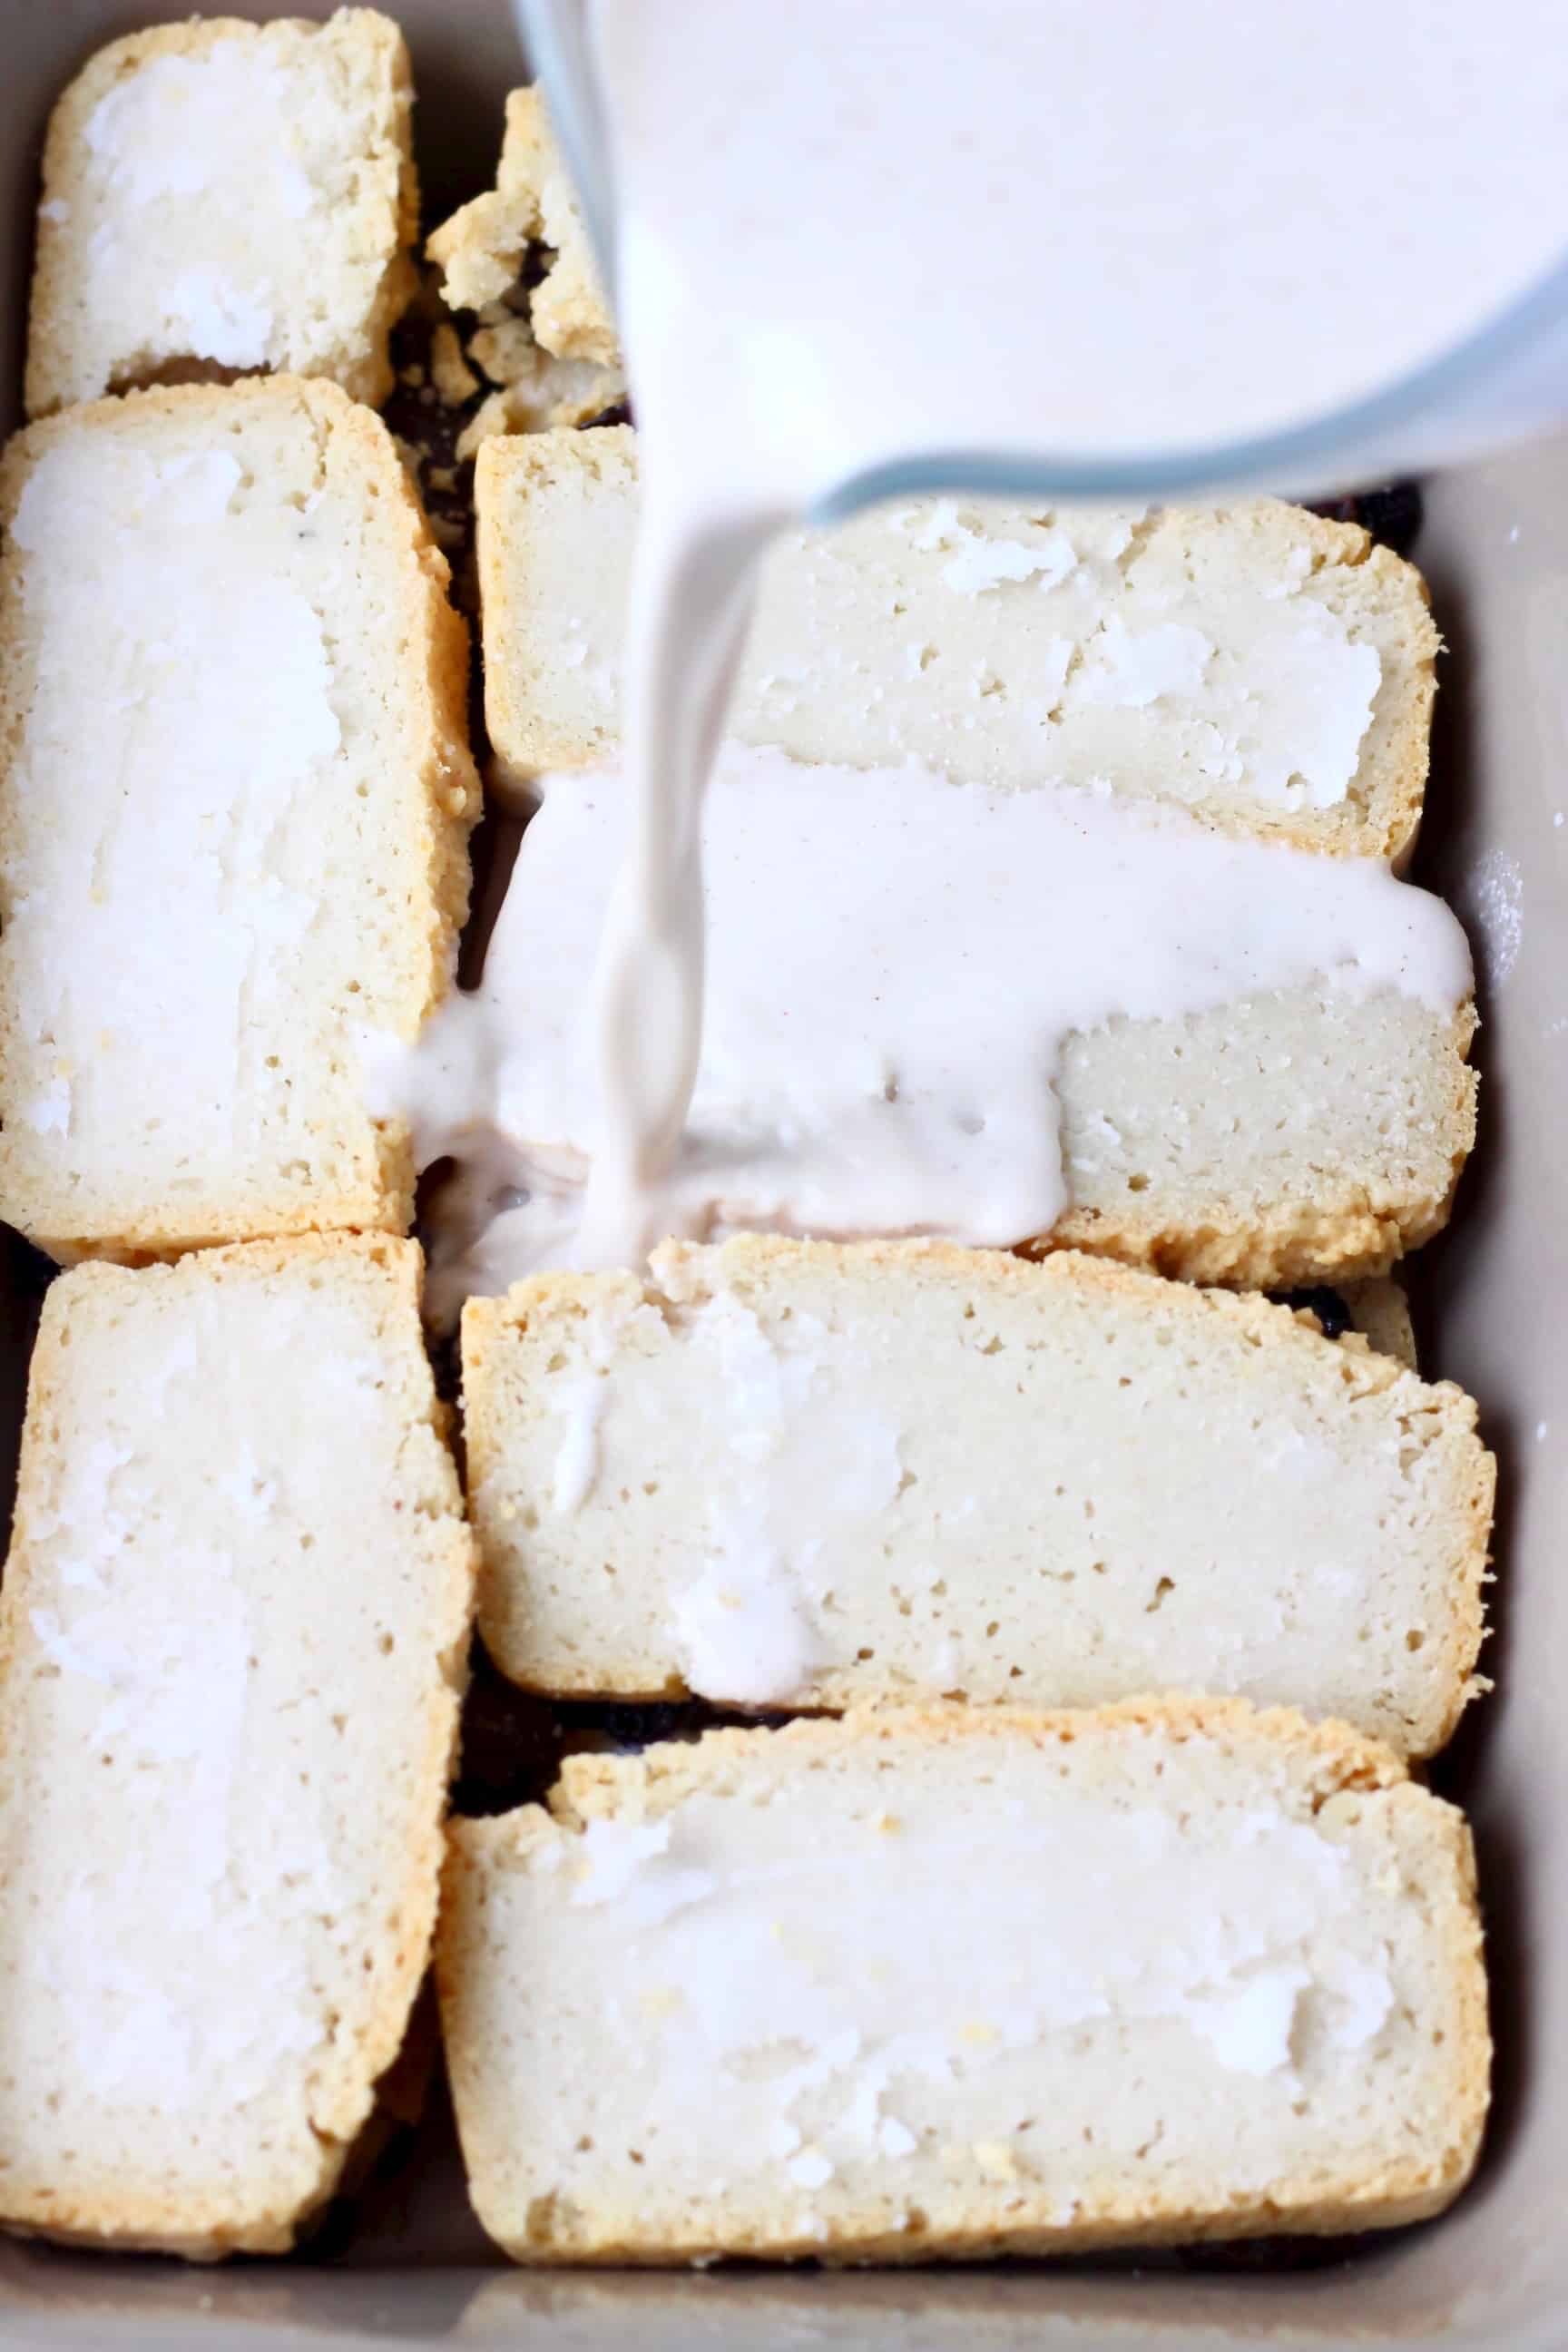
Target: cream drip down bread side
(222,196)
(233,814)
(1005,1018)
(965,1984)
(1260,665)
(232,1646)
(799,1475)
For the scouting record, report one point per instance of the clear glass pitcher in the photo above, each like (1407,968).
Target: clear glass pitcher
(1506,382)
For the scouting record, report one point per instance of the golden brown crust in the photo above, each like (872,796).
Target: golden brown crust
(654,1780)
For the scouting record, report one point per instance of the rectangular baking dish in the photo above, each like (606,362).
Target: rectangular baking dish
(1492,1303)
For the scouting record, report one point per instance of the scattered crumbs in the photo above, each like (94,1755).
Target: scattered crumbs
(1555,1027)
(1513,535)
(1557,816)
(492,417)
(505,350)
(455,379)
(1491,902)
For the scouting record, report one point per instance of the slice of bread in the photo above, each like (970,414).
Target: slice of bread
(1271,670)
(805,1474)
(235,795)
(1297,1137)
(481,251)
(949,1984)
(221,197)
(232,1641)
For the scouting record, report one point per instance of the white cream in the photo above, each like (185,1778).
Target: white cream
(1032,230)
(214,181)
(193,1945)
(743,1629)
(208,739)
(822,1966)
(895,964)
(903,229)
(581,1405)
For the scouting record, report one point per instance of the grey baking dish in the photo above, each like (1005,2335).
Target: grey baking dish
(1492,1300)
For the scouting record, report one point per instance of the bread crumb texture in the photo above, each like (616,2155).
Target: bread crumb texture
(482,249)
